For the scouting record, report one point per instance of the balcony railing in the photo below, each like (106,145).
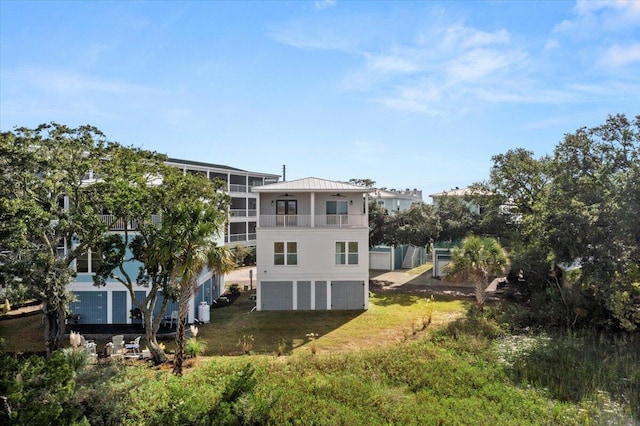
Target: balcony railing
(319,221)
(234,187)
(243,212)
(120,225)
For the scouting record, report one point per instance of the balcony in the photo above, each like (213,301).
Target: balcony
(120,225)
(243,212)
(319,221)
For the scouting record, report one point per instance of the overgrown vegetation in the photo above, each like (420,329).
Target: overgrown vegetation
(470,372)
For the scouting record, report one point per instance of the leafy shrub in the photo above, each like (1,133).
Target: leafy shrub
(38,390)
(234,289)
(76,357)
(195,347)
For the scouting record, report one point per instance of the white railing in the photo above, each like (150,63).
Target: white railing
(233,238)
(120,225)
(238,212)
(234,187)
(320,221)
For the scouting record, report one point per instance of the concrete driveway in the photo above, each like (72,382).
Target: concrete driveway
(400,281)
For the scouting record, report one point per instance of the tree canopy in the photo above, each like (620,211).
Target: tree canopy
(582,206)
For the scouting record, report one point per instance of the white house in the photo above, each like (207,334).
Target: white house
(312,246)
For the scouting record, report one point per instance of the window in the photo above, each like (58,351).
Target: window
(88,262)
(346,253)
(337,212)
(285,253)
(337,207)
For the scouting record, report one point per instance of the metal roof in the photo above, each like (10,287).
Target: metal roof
(311,184)
(215,166)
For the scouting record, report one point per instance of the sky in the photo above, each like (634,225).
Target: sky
(410,94)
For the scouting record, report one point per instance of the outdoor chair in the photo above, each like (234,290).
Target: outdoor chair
(117,348)
(171,319)
(133,348)
(89,345)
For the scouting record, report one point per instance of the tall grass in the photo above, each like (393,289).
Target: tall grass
(580,368)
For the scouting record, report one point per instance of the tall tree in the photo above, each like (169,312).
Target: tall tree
(477,260)
(134,197)
(456,218)
(418,226)
(48,212)
(187,244)
(591,210)
(367,183)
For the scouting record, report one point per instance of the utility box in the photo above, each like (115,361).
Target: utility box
(204,315)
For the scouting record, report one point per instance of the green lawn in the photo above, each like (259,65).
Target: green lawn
(389,318)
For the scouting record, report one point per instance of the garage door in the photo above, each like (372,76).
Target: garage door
(379,260)
(276,295)
(304,295)
(91,306)
(321,295)
(347,295)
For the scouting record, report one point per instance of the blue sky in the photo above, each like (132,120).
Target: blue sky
(409,94)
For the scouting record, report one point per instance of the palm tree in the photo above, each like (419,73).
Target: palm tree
(194,247)
(477,260)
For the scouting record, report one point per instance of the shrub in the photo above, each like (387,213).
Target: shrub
(76,357)
(234,289)
(195,347)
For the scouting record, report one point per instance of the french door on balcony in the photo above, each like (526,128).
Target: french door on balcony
(286,211)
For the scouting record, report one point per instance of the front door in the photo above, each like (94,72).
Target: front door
(286,211)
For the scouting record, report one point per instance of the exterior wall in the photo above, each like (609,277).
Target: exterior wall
(238,183)
(316,266)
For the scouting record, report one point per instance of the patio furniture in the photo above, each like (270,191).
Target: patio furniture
(133,348)
(171,319)
(89,345)
(117,348)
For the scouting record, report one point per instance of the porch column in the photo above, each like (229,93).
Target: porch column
(313,209)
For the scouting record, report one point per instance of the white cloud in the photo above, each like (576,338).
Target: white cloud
(391,63)
(597,17)
(619,55)
(480,63)
(324,4)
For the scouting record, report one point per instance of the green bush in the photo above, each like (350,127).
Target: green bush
(195,347)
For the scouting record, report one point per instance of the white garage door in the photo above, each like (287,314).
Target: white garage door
(379,260)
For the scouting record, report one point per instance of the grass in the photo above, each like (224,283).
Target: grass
(421,269)
(464,370)
(389,319)
(338,331)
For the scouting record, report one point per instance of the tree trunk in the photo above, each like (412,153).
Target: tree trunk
(54,328)
(480,295)
(183,308)
(150,334)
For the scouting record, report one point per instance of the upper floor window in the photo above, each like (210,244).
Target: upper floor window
(88,262)
(285,253)
(346,253)
(337,207)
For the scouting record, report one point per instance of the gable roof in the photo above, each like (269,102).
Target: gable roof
(310,184)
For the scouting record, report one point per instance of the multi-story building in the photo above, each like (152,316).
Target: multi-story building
(241,228)
(312,246)
(112,303)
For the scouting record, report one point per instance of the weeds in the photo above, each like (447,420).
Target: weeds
(282,346)
(313,345)
(246,343)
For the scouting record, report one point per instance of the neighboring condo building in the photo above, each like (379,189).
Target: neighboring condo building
(112,304)
(241,228)
(312,246)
